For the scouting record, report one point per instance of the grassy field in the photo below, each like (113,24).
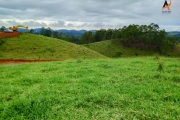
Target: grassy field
(29,46)
(127,88)
(114,49)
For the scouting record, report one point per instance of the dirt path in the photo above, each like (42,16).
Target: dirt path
(20,61)
(9,34)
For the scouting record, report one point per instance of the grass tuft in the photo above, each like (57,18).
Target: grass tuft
(160,66)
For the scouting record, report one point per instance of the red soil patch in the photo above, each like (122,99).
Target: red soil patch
(18,61)
(9,34)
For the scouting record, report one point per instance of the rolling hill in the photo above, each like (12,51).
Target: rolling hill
(30,46)
(37,47)
(114,49)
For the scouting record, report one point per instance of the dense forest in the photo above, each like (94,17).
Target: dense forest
(145,37)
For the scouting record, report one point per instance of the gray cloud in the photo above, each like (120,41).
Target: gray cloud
(70,25)
(99,24)
(59,23)
(34,24)
(9,23)
(89,14)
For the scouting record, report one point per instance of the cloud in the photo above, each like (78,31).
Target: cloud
(57,24)
(70,25)
(98,25)
(87,14)
(170,28)
(32,24)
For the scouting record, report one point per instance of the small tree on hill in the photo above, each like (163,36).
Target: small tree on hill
(31,31)
(2,28)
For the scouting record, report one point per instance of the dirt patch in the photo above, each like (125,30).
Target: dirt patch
(9,34)
(20,61)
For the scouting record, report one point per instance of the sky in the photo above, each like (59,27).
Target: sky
(88,14)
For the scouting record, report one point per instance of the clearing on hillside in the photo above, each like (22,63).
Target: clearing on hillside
(37,47)
(9,34)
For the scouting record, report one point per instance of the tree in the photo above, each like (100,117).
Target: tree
(43,31)
(100,35)
(2,28)
(74,39)
(48,32)
(109,34)
(55,34)
(117,34)
(31,31)
(87,37)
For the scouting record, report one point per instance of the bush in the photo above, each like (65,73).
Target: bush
(2,40)
(160,66)
(118,54)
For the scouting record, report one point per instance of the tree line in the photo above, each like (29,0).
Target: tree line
(55,34)
(145,37)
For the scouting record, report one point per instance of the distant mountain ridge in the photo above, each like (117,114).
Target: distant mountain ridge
(37,30)
(78,33)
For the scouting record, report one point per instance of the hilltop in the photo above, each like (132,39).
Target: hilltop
(33,47)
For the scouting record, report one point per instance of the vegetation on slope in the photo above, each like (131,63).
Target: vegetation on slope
(29,46)
(127,88)
(114,49)
(175,52)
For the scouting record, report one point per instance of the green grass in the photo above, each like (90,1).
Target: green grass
(114,49)
(29,46)
(127,88)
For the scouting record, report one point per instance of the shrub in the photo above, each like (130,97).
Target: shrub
(2,40)
(118,54)
(160,66)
